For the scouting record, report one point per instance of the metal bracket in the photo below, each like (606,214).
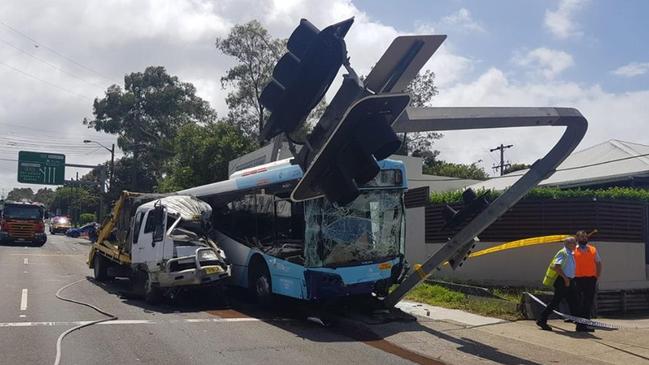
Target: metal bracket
(444,119)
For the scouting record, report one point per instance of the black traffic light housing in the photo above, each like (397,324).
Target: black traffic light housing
(347,158)
(342,151)
(472,205)
(303,75)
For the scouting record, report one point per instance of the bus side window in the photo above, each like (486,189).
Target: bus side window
(243,222)
(265,212)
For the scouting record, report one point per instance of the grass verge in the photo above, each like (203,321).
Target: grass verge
(440,296)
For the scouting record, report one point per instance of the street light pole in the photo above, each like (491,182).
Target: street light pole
(112,159)
(112,166)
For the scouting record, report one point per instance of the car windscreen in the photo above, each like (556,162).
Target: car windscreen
(22,212)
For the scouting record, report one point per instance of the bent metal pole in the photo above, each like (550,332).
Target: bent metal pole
(444,119)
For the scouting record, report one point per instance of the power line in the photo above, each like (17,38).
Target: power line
(79,137)
(36,43)
(557,170)
(49,64)
(36,142)
(44,81)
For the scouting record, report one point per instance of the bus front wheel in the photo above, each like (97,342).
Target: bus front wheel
(260,286)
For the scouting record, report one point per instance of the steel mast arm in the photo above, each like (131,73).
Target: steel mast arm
(444,119)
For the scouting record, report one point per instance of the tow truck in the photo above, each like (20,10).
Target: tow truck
(161,243)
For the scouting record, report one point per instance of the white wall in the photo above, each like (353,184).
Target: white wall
(416,179)
(623,264)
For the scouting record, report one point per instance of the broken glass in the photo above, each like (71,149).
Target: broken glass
(367,229)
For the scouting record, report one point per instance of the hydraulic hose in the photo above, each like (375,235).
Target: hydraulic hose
(110,316)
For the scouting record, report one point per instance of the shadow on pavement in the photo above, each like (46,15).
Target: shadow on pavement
(296,317)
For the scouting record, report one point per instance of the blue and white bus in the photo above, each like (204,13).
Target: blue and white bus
(312,250)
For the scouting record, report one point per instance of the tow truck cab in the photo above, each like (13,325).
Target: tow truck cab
(162,243)
(167,239)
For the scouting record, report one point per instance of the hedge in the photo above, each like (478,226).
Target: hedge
(87,218)
(617,193)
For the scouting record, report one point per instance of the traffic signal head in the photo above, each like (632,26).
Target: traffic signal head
(347,157)
(472,204)
(303,75)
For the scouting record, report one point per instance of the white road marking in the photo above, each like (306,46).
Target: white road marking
(25,272)
(45,254)
(136,321)
(23,300)
(25,261)
(22,316)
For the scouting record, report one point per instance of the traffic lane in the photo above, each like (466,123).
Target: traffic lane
(36,274)
(56,265)
(28,280)
(246,341)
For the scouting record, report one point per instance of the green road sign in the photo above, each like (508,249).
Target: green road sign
(41,168)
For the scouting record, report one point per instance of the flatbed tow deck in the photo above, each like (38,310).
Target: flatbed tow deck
(161,243)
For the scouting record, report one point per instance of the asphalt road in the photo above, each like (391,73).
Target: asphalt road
(185,331)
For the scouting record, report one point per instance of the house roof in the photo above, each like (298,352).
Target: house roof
(610,161)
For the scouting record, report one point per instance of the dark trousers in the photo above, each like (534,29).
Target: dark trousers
(561,292)
(586,287)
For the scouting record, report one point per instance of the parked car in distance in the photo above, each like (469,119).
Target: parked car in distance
(59,225)
(89,230)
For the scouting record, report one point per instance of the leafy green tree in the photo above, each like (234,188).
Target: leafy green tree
(18,194)
(462,171)
(147,114)
(256,53)
(72,200)
(422,89)
(130,174)
(202,154)
(45,196)
(515,167)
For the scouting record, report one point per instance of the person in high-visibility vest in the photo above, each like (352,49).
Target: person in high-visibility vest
(560,275)
(588,270)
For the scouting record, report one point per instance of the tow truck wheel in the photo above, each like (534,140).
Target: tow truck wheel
(100,268)
(152,293)
(261,286)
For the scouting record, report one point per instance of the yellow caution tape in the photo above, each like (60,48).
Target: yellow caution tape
(519,244)
(420,272)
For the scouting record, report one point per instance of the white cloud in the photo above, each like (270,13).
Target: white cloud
(548,62)
(610,115)
(560,22)
(116,37)
(632,69)
(463,20)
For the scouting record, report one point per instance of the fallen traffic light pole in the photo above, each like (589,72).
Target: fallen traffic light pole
(444,119)
(358,128)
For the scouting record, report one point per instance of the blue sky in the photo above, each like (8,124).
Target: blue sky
(612,33)
(586,54)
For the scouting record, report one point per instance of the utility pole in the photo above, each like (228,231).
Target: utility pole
(503,165)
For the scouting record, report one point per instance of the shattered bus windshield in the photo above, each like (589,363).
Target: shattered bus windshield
(369,228)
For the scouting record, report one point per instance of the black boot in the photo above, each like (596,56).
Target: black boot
(544,325)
